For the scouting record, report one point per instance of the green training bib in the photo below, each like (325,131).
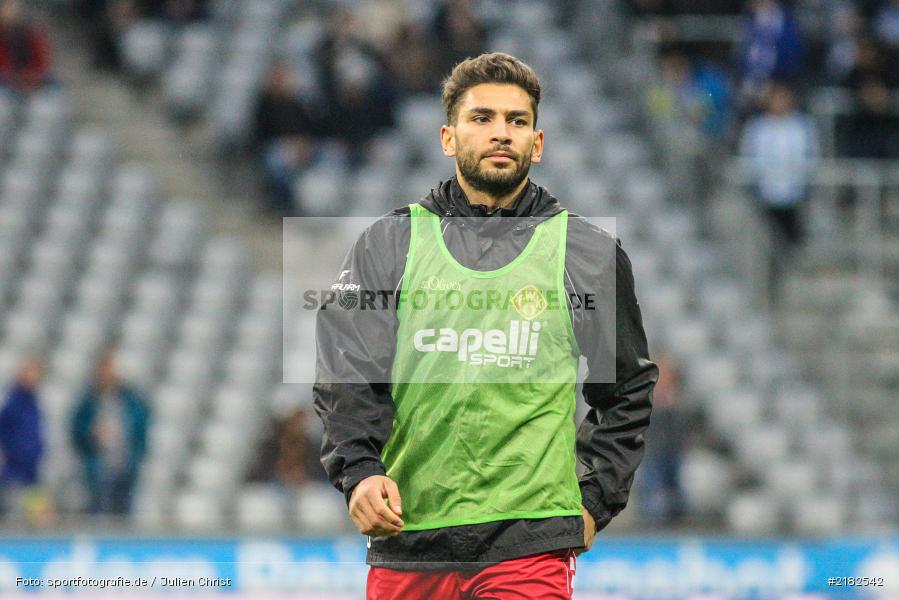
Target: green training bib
(484,384)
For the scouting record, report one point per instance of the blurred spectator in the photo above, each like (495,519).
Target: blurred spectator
(661,499)
(669,8)
(107,22)
(357,88)
(285,134)
(288,455)
(872,130)
(886,24)
(109,431)
(458,34)
(24,50)
(413,65)
(695,94)
(845,30)
(780,148)
(871,63)
(773,49)
(21,433)
(176,12)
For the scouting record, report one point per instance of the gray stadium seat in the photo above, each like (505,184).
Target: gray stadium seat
(320,509)
(817,513)
(92,149)
(199,510)
(261,508)
(753,514)
(133,180)
(706,481)
(144,49)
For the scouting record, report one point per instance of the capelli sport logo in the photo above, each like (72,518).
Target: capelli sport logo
(514,348)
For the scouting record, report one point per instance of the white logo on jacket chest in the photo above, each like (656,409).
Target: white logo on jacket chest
(515,347)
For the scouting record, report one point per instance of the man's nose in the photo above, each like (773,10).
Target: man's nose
(501,134)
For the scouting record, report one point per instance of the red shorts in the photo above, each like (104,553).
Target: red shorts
(546,576)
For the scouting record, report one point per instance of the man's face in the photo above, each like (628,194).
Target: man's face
(493,140)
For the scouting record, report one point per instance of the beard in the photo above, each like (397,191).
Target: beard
(494,182)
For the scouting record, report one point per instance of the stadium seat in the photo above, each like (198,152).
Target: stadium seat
(706,481)
(180,234)
(156,293)
(71,365)
(203,333)
(319,510)
(185,367)
(22,186)
(261,508)
(199,510)
(176,405)
(81,184)
(753,514)
(86,329)
(139,365)
(99,292)
(817,514)
(40,296)
(49,110)
(91,149)
(210,474)
(248,370)
(133,180)
(761,447)
(790,478)
(144,49)
(320,191)
(735,410)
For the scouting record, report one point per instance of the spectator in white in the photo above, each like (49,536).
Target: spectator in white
(780,149)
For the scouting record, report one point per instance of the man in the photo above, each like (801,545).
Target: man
(24,50)
(21,434)
(458,465)
(109,431)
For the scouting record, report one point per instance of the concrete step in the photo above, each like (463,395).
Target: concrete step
(178,155)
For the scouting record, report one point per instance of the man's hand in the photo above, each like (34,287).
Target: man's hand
(369,506)
(589,531)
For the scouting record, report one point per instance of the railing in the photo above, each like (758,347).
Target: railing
(872,182)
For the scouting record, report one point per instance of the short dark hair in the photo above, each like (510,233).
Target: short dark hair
(495,67)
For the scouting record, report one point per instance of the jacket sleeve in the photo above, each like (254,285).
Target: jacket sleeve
(610,440)
(354,355)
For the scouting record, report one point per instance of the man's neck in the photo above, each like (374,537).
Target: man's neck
(491,202)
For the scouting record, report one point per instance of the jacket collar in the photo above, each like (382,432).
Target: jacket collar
(449,200)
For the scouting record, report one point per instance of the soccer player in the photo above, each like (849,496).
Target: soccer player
(448,412)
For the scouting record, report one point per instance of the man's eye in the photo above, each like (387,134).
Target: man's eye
(519,121)
(480,119)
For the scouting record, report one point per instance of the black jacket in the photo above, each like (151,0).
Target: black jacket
(355,353)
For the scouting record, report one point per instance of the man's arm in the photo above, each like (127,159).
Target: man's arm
(610,441)
(355,351)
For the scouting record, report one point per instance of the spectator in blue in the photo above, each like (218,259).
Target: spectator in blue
(661,497)
(773,49)
(109,432)
(21,432)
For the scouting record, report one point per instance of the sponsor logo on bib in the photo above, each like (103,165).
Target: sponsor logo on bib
(516,347)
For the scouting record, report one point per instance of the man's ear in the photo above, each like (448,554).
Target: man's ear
(537,150)
(448,139)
